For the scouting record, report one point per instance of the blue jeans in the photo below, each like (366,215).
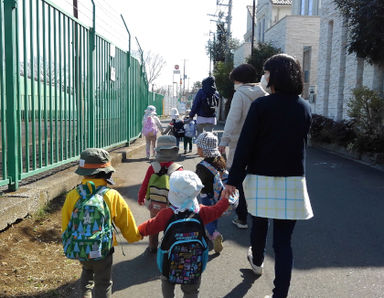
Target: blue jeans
(282,232)
(212,226)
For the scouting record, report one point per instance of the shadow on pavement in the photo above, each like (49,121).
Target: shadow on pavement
(139,270)
(242,288)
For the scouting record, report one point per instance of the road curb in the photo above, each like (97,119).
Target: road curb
(29,198)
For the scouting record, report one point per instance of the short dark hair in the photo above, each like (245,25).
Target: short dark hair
(244,73)
(286,75)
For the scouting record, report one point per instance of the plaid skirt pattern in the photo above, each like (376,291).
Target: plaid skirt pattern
(277,197)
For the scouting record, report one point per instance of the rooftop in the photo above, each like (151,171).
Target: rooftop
(281,2)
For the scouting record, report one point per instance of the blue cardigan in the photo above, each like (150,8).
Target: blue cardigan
(273,139)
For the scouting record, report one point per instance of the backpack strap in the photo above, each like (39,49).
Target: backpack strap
(210,167)
(84,191)
(156,166)
(173,168)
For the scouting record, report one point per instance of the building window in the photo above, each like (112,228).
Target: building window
(306,7)
(263,30)
(307,63)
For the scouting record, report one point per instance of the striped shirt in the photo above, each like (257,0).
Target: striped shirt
(277,197)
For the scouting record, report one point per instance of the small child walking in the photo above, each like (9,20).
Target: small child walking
(154,188)
(187,219)
(207,147)
(176,126)
(81,221)
(151,126)
(190,132)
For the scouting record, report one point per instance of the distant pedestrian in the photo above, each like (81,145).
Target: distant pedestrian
(204,105)
(176,126)
(190,132)
(87,216)
(207,148)
(155,186)
(151,126)
(270,153)
(246,91)
(183,253)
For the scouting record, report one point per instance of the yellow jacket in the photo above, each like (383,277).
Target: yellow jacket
(121,215)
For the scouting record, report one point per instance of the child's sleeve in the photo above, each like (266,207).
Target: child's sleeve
(66,212)
(144,185)
(210,213)
(156,224)
(122,216)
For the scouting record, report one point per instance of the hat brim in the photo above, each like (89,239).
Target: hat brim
(89,172)
(167,155)
(158,149)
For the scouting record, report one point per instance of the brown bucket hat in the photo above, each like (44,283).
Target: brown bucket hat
(94,161)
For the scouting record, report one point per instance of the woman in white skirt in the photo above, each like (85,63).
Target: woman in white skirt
(270,154)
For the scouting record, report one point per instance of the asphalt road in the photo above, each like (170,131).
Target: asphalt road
(339,253)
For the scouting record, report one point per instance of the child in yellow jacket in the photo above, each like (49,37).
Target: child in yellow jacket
(95,166)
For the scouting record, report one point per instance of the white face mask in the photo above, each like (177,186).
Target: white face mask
(236,86)
(264,82)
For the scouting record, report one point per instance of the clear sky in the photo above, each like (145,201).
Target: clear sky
(178,30)
(174,29)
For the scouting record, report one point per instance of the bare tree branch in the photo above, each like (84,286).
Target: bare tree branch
(154,65)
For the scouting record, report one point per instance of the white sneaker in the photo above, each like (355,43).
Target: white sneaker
(268,296)
(240,224)
(258,270)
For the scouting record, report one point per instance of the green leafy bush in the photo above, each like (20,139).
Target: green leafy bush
(364,132)
(326,130)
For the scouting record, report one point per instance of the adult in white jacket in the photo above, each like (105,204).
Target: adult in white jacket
(246,91)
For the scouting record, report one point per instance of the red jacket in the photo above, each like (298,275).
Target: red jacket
(144,185)
(159,223)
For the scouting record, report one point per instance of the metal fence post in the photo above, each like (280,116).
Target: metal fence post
(128,85)
(91,77)
(11,91)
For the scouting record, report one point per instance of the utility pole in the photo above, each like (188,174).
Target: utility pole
(184,78)
(75,10)
(253,27)
(228,21)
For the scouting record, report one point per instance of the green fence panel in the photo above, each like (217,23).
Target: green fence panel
(63,88)
(3,139)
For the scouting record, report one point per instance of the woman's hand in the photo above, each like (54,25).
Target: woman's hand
(228,191)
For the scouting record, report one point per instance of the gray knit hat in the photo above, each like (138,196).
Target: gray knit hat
(166,149)
(94,161)
(208,142)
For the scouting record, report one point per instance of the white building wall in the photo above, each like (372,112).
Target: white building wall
(289,36)
(241,54)
(276,35)
(340,91)
(279,12)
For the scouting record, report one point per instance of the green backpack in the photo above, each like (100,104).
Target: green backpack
(89,234)
(158,185)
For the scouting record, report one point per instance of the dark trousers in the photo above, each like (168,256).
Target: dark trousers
(189,290)
(282,232)
(97,276)
(187,141)
(241,209)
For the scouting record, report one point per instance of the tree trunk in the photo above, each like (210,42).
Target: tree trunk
(378,79)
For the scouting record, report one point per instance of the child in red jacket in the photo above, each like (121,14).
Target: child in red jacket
(184,186)
(166,154)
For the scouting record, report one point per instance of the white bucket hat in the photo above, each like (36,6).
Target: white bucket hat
(174,113)
(151,109)
(184,186)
